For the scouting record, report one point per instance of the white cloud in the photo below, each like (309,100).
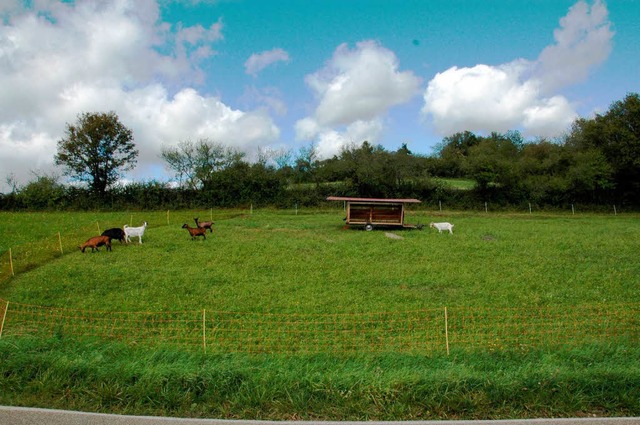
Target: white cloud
(58,60)
(188,115)
(259,61)
(549,117)
(520,94)
(330,142)
(473,97)
(271,97)
(10,6)
(307,128)
(355,90)
(582,42)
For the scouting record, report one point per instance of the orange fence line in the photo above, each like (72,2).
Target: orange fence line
(416,331)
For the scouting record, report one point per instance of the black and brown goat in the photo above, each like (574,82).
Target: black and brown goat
(195,231)
(204,224)
(95,242)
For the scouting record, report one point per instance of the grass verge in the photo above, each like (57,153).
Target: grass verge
(596,380)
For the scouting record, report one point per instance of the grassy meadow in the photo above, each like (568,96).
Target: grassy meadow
(281,262)
(273,262)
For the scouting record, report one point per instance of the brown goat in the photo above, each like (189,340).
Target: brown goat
(204,224)
(195,231)
(95,242)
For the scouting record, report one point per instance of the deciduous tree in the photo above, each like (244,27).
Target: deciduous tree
(97,149)
(616,134)
(196,163)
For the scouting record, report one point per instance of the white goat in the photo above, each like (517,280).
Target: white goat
(134,231)
(442,226)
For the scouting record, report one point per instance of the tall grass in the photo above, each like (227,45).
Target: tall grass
(106,377)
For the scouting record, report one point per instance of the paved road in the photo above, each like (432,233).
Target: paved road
(28,416)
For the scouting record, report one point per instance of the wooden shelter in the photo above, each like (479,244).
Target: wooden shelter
(372,212)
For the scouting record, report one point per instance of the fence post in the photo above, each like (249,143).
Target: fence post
(98,225)
(167,217)
(60,243)
(446,329)
(4,316)
(204,330)
(11,262)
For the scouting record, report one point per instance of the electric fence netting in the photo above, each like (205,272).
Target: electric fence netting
(429,331)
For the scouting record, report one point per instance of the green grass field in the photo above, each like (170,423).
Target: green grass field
(460,184)
(277,261)
(305,265)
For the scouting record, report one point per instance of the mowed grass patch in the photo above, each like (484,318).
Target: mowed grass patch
(282,262)
(460,184)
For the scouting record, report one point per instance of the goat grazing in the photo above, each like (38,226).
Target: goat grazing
(95,242)
(195,231)
(134,231)
(442,226)
(115,233)
(204,224)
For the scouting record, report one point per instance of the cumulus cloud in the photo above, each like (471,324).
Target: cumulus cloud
(330,141)
(354,91)
(521,94)
(157,117)
(582,42)
(259,61)
(58,60)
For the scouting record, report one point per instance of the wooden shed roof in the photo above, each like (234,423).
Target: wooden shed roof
(374,200)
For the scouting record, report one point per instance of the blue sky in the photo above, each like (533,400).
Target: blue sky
(279,75)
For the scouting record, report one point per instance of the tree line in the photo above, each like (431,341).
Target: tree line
(596,163)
